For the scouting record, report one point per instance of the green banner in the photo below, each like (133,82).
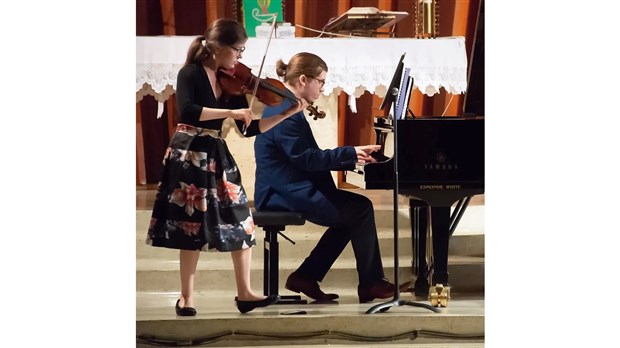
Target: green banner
(256,12)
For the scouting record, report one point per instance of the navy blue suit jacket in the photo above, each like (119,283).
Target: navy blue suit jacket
(292,172)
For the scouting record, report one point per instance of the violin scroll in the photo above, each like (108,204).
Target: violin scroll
(314,112)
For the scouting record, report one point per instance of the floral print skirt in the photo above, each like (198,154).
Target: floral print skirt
(200,202)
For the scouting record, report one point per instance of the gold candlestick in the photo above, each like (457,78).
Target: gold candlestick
(426,18)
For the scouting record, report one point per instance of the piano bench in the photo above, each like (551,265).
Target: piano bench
(273,223)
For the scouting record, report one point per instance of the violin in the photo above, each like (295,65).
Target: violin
(240,81)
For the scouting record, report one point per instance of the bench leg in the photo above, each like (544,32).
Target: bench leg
(271,268)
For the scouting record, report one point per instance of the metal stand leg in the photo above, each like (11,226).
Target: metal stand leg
(397,301)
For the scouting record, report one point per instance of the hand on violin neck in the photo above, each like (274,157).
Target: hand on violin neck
(245,115)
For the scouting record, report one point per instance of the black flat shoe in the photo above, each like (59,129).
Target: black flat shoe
(185,311)
(246,306)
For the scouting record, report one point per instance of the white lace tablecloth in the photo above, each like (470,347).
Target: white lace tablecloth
(355,64)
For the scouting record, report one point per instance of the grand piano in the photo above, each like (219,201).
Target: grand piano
(440,164)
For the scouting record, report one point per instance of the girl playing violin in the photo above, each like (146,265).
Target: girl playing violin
(293,173)
(201,204)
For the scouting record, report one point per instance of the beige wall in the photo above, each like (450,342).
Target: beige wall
(325,131)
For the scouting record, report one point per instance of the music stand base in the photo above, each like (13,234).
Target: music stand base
(383,307)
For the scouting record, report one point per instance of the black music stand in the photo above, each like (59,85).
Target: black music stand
(396,301)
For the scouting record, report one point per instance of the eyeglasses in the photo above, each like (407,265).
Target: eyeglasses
(321,82)
(239,50)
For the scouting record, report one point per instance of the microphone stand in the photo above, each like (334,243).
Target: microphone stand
(396,301)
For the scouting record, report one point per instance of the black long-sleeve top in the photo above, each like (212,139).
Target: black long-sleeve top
(194,92)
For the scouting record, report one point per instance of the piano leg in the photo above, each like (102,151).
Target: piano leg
(441,235)
(418,213)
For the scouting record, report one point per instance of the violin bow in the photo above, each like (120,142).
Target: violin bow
(273,27)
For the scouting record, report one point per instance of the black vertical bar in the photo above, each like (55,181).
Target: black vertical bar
(266,257)
(274,260)
(440,221)
(396,282)
(419,226)
(270,261)
(413,217)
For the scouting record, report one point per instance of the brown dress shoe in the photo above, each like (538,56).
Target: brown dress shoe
(379,289)
(309,287)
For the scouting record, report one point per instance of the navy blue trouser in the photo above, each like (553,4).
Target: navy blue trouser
(350,217)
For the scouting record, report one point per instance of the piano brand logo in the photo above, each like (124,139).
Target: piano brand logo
(441,163)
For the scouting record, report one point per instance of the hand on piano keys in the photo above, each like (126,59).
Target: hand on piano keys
(364,153)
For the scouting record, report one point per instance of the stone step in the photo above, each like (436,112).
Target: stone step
(345,323)
(468,239)
(461,245)
(215,274)
(472,222)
